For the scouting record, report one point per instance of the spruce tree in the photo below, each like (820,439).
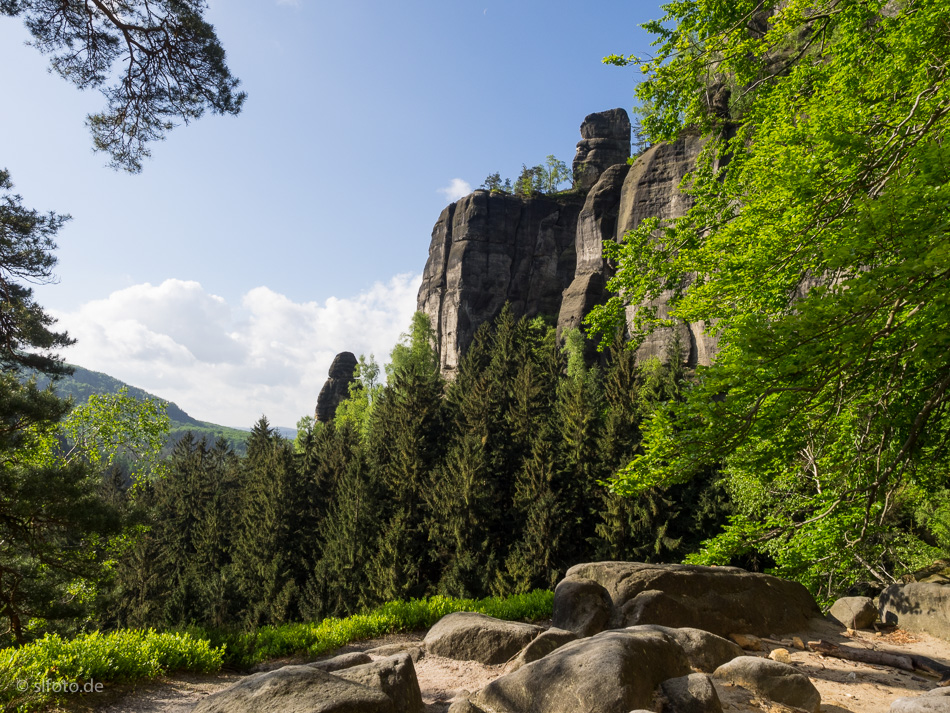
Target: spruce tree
(259,564)
(405,445)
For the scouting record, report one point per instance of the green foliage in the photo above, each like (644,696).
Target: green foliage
(355,411)
(26,255)
(172,64)
(817,246)
(47,667)
(315,639)
(545,178)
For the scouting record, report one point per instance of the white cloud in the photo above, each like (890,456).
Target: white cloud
(231,364)
(456,189)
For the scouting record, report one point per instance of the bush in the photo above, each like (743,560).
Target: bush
(51,667)
(44,670)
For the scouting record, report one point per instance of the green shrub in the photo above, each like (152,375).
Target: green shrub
(49,666)
(313,639)
(47,669)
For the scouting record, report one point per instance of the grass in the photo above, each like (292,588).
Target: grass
(48,670)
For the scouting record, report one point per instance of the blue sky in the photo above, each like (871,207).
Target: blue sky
(250,250)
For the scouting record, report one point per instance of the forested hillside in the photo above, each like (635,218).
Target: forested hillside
(83,383)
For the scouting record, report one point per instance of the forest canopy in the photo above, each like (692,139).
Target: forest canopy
(817,249)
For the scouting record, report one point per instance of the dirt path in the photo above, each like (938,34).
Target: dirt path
(845,686)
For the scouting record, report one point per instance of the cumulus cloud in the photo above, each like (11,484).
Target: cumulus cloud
(456,189)
(229,364)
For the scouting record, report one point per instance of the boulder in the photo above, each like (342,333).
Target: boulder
(720,600)
(776,681)
(342,661)
(292,689)
(395,676)
(612,672)
(542,645)
(466,636)
(854,612)
(935,701)
(581,605)
(706,652)
(464,706)
(917,606)
(605,142)
(337,386)
(690,694)
(415,649)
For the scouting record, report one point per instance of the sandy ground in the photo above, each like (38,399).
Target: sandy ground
(845,686)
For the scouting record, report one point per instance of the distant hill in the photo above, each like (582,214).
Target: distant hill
(84,383)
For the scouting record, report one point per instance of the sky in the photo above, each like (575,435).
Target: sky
(252,249)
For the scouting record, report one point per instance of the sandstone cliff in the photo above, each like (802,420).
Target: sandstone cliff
(544,255)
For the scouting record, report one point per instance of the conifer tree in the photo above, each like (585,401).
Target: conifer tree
(348,532)
(405,446)
(259,565)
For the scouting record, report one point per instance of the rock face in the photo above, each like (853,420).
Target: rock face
(721,600)
(605,142)
(544,254)
(918,606)
(491,248)
(597,222)
(337,386)
(651,190)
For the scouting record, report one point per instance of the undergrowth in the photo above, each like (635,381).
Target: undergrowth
(51,669)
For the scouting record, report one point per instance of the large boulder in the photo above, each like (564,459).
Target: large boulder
(776,681)
(690,694)
(467,636)
(721,600)
(292,689)
(854,612)
(582,606)
(337,386)
(918,606)
(612,672)
(338,663)
(395,676)
(705,651)
(541,646)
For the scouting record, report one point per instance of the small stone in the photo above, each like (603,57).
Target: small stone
(780,655)
(798,643)
(747,641)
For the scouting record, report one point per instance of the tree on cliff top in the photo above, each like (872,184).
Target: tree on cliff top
(173,65)
(821,253)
